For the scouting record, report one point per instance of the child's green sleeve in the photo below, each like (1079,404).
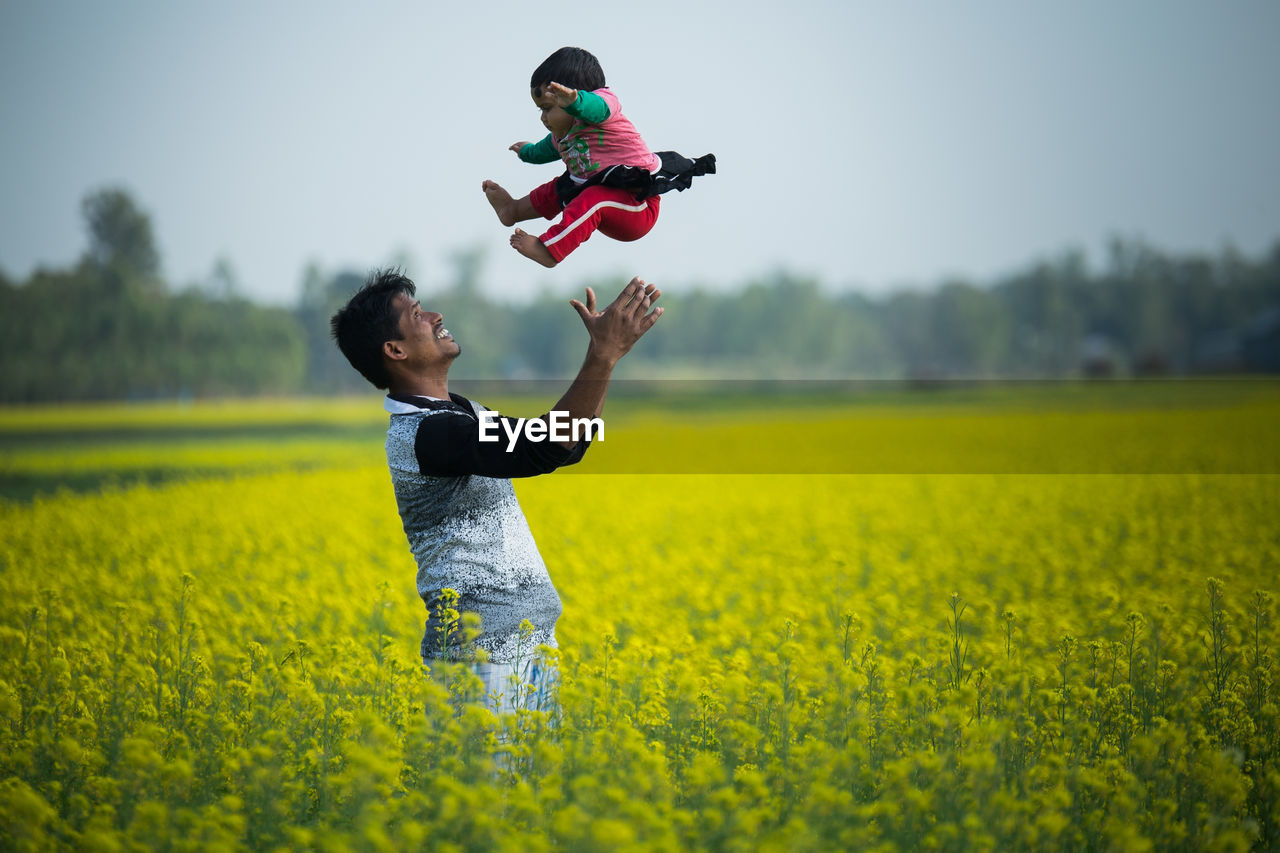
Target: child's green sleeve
(540,152)
(589,107)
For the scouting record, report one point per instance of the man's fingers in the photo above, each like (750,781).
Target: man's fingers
(634,301)
(634,290)
(624,295)
(640,306)
(642,298)
(588,310)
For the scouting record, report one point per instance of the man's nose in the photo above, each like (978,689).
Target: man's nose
(434,317)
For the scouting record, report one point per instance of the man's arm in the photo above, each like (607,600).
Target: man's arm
(614,331)
(448,444)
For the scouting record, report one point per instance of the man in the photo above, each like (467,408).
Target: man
(465,527)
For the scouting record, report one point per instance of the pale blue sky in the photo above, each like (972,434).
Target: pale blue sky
(869,144)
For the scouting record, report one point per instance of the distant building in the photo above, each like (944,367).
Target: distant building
(1251,348)
(1097,357)
(1261,344)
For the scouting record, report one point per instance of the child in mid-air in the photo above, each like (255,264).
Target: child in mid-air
(612,180)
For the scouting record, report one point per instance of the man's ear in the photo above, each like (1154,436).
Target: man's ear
(393,351)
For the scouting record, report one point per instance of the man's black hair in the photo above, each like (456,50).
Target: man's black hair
(569,66)
(369,320)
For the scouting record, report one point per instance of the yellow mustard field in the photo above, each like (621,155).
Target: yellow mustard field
(225,656)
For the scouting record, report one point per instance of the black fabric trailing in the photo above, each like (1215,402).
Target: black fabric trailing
(677,173)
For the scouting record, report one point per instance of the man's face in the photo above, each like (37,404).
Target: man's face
(423,337)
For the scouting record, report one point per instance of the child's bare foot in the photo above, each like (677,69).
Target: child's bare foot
(531,247)
(502,202)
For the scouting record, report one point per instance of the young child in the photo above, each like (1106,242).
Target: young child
(612,180)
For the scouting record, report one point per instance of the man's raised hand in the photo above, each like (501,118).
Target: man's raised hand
(615,330)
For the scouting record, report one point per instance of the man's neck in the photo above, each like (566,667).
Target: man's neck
(437,388)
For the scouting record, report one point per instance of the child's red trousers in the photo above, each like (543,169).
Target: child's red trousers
(613,212)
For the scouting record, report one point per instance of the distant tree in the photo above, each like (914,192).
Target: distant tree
(468,266)
(970,330)
(129,338)
(545,339)
(120,233)
(327,370)
(223,283)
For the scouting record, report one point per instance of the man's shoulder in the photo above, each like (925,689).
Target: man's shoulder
(427,421)
(413,406)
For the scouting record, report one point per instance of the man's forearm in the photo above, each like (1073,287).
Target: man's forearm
(613,332)
(585,395)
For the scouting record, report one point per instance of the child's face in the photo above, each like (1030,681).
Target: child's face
(554,119)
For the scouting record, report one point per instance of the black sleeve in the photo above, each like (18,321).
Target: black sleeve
(448,445)
(575,455)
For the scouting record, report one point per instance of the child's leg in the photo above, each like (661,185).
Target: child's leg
(625,225)
(510,210)
(546,201)
(614,212)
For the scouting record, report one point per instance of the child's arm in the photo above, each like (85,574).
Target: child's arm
(536,152)
(587,106)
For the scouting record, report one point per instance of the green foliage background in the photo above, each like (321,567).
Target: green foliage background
(111,328)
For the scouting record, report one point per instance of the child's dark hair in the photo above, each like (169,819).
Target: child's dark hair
(369,320)
(569,66)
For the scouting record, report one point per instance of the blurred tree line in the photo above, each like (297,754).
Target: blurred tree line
(111,328)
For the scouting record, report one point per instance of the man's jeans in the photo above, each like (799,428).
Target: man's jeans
(506,690)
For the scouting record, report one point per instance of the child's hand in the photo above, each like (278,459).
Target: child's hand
(516,147)
(562,95)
